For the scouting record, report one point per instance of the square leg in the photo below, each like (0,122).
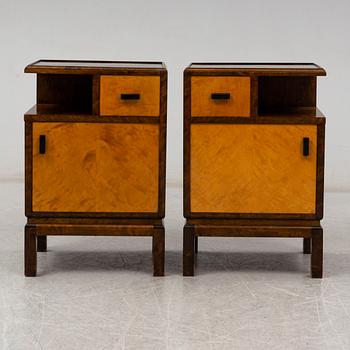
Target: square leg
(30,256)
(306,245)
(188,250)
(317,253)
(196,244)
(42,243)
(158,251)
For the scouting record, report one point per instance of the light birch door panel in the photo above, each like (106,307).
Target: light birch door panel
(253,169)
(95,167)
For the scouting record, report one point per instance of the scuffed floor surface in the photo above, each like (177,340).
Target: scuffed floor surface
(99,293)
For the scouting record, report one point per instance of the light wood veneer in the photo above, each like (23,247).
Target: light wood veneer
(252,169)
(112,86)
(89,167)
(203,87)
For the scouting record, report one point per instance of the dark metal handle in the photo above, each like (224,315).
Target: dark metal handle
(220,96)
(130,96)
(306,146)
(42,144)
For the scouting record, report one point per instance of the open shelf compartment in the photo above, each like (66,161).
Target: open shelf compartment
(65,93)
(286,95)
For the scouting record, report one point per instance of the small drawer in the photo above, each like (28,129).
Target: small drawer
(129,95)
(220,96)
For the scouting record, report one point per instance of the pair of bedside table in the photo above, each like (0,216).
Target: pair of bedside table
(96,143)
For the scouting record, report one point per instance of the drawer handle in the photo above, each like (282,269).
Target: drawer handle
(306,146)
(42,144)
(220,96)
(129,96)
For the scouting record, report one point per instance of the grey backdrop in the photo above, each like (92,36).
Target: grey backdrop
(176,32)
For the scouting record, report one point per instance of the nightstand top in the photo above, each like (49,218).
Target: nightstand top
(90,67)
(262,68)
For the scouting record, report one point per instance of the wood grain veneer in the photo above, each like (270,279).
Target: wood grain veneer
(112,86)
(96,167)
(252,169)
(203,105)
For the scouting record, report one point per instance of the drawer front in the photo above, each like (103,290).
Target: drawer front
(129,95)
(220,96)
(252,169)
(95,167)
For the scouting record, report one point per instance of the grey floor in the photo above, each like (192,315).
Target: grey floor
(98,293)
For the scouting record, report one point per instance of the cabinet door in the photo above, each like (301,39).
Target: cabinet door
(253,169)
(95,167)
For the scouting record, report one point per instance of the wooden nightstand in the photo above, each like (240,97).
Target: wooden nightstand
(253,154)
(95,146)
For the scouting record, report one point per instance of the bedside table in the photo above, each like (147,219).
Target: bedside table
(95,146)
(253,155)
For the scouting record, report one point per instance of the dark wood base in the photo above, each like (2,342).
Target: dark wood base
(37,230)
(310,231)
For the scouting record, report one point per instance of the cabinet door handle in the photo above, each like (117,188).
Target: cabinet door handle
(220,96)
(42,144)
(306,146)
(129,96)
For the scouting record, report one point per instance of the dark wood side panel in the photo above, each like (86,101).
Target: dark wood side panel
(320,170)
(187,144)
(28,161)
(162,142)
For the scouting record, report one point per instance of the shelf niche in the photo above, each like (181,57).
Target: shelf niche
(286,95)
(64,93)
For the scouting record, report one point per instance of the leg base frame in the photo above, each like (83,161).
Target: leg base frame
(312,234)
(35,238)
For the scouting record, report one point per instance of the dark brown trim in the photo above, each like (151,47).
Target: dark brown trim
(320,170)
(254,96)
(28,174)
(96,94)
(70,118)
(254,222)
(296,216)
(251,231)
(111,215)
(258,120)
(94,221)
(97,64)
(276,69)
(92,71)
(187,145)
(93,230)
(162,143)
